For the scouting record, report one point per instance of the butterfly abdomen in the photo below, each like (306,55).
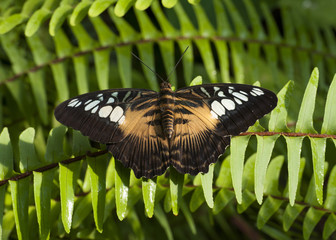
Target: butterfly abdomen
(167,105)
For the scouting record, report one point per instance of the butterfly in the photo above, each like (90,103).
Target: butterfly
(149,131)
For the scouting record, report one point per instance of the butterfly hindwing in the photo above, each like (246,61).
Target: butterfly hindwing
(145,148)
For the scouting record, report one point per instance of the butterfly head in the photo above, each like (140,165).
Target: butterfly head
(165,85)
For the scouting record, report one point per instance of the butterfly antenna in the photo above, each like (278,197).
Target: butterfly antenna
(177,64)
(147,66)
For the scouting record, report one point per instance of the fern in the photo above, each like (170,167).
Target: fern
(51,51)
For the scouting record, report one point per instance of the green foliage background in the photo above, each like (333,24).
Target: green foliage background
(55,184)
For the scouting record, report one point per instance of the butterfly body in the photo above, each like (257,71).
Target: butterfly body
(150,131)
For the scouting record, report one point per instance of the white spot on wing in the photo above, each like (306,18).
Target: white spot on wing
(78,104)
(240,96)
(205,91)
(243,92)
(126,96)
(88,101)
(217,108)
(216,89)
(115,94)
(110,100)
(214,115)
(100,95)
(91,105)
(105,111)
(253,94)
(121,120)
(94,110)
(221,94)
(257,91)
(116,114)
(73,102)
(228,104)
(238,101)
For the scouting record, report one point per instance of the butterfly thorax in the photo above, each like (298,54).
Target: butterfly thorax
(167,105)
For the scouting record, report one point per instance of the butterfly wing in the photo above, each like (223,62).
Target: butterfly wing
(206,116)
(127,120)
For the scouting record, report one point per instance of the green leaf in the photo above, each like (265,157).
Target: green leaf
(196,81)
(305,119)
(80,12)
(36,20)
(58,17)
(99,6)
(312,218)
(330,202)
(28,157)
(169,3)
(329,226)
(20,201)
(80,143)
(278,119)
(247,199)
(97,169)
(223,197)
(197,199)
(2,205)
(11,22)
(82,210)
(102,60)
(162,219)
(207,180)
(224,179)
(68,175)
(146,52)
(110,175)
(238,148)
(148,193)
(122,181)
(269,207)
(110,203)
(294,145)
(329,120)
(142,4)
(272,176)
(6,155)
(318,151)
(54,150)
(291,213)
(125,65)
(254,18)
(42,196)
(223,58)
(188,217)
(167,49)
(176,183)
(122,7)
(9,226)
(311,197)
(264,152)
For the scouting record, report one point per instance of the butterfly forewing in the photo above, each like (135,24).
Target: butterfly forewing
(99,114)
(210,115)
